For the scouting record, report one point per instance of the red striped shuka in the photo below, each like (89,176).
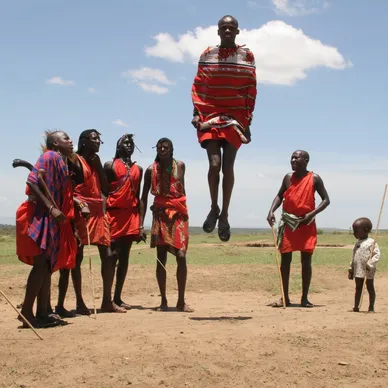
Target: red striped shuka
(224,93)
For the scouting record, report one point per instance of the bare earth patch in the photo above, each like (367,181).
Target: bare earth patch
(231,340)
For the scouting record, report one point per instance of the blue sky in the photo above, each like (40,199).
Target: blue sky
(127,66)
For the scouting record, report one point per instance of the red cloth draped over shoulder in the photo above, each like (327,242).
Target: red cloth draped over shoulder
(122,203)
(36,231)
(90,192)
(225,85)
(298,200)
(170,226)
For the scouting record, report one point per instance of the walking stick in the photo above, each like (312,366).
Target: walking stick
(90,270)
(278,265)
(374,243)
(21,315)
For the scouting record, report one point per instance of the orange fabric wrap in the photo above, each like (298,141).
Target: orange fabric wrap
(90,193)
(298,200)
(122,204)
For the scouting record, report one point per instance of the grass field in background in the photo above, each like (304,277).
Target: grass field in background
(207,249)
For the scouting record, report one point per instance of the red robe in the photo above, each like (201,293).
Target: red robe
(225,87)
(36,231)
(170,226)
(90,193)
(122,203)
(299,200)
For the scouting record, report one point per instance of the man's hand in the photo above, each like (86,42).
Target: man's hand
(58,215)
(142,236)
(78,238)
(196,122)
(307,218)
(85,212)
(350,275)
(247,135)
(271,218)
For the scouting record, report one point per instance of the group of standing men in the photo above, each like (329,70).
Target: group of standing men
(73,200)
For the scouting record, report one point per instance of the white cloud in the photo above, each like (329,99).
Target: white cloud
(92,90)
(299,7)
(283,53)
(3,199)
(149,79)
(120,123)
(148,74)
(153,88)
(59,81)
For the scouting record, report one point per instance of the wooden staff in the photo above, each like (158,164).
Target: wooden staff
(21,315)
(278,265)
(156,256)
(90,270)
(374,243)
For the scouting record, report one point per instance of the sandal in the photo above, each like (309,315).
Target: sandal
(224,230)
(211,220)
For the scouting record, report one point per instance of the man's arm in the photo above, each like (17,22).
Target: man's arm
(321,190)
(53,211)
(278,199)
(144,196)
(182,170)
(110,172)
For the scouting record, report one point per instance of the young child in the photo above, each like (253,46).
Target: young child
(364,263)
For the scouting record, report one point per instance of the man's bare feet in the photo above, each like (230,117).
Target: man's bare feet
(63,313)
(163,306)
(112,308)
(122,304)
(82,310)
(184,308)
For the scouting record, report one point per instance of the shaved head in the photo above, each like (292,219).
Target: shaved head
(303,153)
(228,19)
(364,223)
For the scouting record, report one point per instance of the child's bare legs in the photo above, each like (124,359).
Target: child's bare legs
(372,294)
(357,296)
(371,291)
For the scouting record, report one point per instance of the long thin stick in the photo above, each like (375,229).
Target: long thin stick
(278,265)
(374,242)
(158,260)
(21,315)
(90,271)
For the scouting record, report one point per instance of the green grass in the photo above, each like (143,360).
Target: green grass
(200,254)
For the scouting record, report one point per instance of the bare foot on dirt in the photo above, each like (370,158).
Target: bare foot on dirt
(122,304)
(112,308)
(63,313)
(184,308)
(82,310)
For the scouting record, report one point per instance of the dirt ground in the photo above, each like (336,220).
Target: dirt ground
(231,340)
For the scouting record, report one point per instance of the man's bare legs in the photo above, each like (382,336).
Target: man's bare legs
(306,278)
(122,250)
(63,285)
(285,268)
(108,273)
(213,149)
(229,156)
(181,275)
(37,285)
(161,276)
